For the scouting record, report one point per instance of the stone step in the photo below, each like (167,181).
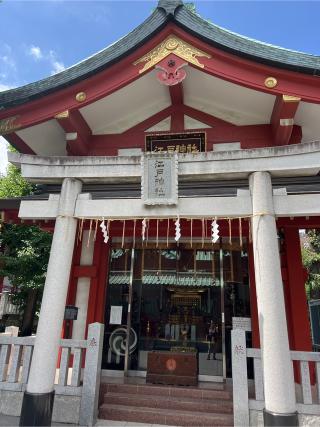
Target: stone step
(156,390)
(169,402)
(163,416)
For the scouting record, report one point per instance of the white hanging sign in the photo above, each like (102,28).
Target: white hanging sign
(115,315)
(159,180)
(243,323)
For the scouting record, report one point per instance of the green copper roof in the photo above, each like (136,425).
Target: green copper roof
(187,280)
(166,11)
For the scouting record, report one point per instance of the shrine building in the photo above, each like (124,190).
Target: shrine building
(175,169)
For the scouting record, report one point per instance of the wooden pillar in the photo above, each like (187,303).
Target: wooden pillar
(297,303)
(296,299)
(98,283)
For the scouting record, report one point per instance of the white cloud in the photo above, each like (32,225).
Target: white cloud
(8,67)
(57,67)
(50,57)
(3,155)
(8,61)
(4,87)
(35,52)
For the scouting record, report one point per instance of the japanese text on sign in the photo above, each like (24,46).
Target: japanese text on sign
(182,143)
(178,148)
(159,180)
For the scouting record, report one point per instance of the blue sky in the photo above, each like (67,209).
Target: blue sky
(39,38)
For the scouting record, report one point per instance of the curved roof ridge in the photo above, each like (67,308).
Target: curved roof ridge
(169,6)
(166,11)
(247,47)
(252,39)
(87,66)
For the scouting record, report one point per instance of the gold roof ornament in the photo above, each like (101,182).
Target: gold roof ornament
(270,82)
(81,96)
(170,45)
(9,125)
(62,115)
(290,98)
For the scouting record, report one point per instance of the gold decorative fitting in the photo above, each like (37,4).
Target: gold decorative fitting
(8,125)
(81,96)
(270,82)
(62,115)
(171,45)
(290,98)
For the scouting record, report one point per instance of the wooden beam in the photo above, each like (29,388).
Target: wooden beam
(18,143)
(177,119)
(176,94)
(205,118)
(252,136)
(282,118)
(177,116)
(85,271)
(150,121)
(77,131)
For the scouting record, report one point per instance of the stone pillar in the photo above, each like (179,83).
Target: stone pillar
(38,398)
(280,402)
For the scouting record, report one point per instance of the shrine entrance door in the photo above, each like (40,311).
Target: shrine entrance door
(174,299)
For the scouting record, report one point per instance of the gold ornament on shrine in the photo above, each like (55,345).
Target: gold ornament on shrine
(270,82)
(81,96)
(62,115)
(9,125)
(290,98)
(170,45)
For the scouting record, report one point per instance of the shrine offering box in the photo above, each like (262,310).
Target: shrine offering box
(172,368)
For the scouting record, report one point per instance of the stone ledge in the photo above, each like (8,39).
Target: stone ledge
(65,409)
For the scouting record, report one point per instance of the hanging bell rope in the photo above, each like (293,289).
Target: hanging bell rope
(148,223)
(240,233)
(230,231)
(89,234)
(123,232)
(81,229)
(95,230)
(134,233)
(202,230)
(157,236)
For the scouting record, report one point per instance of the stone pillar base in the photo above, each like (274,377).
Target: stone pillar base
(36,409)
(272,419)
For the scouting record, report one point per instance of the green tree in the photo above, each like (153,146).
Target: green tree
(24,261)
(25,251)
(311,260)
(13,184)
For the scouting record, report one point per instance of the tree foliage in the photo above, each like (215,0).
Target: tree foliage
(311,260)
(13,185)
(24,252)
(24,258)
